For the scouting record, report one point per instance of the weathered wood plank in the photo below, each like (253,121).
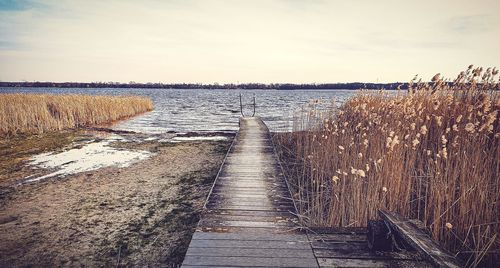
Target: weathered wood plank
(250,261)
(332,262)
(367,254)
(338,237)
(250,230)
(227,190)
(262,208)
(247,236)
(249,252)
(337,230)
(256,203)
(277,219)
(341,246)
(262,198)
(419,240)
(262,188)
(251,178)
(211,243)
(252,224)
(243,194)
(255,213)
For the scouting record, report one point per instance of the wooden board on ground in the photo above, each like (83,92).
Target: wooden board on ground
(419,240)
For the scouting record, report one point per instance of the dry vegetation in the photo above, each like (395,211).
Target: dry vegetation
(431,153)
(38,113)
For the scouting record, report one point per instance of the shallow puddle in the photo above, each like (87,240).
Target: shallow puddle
(87,157)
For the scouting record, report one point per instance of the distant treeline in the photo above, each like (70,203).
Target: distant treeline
(276,86)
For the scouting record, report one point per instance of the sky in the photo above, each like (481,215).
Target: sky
(241,41)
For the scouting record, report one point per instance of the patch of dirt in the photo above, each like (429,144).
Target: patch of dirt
(141,215)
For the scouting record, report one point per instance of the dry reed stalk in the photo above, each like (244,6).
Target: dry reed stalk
(431,153)
(38,113)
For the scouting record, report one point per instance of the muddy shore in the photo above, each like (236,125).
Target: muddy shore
(140,215)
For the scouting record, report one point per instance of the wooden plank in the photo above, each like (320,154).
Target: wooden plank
(250,178)
(337,230)
(249,252)
(247,236)
(250,261)
(419,240)
(264,203)
(205,266)
(257,194)
(261,208)
(210,243)
(250,230)
(278,191)
(223,203)
(218,266)
(253,224)
(338,237)
(233,182)
(262,188)
(249,196)
(332,262)
(226,189)
(250,218)
(243,198)
(367,254)
(249,213)
(342,246)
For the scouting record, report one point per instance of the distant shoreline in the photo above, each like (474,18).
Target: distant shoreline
(274,86)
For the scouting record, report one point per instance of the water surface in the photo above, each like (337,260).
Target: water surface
(186,110)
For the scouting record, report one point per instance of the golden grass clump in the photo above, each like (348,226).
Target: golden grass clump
(431,153)
(38,113)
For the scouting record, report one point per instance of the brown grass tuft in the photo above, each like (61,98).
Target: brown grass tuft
(38,113)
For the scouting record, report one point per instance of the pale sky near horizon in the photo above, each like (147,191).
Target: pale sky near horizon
(207,41)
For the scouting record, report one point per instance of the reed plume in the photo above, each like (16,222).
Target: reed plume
(430,153)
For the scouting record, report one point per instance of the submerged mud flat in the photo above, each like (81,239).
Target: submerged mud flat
(139,214)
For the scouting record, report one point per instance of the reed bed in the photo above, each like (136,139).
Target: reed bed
(430,153)
(38,113)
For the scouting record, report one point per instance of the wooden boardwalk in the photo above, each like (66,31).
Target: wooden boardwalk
(247,220)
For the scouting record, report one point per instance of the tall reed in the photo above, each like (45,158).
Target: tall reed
(37,113)
(430,153)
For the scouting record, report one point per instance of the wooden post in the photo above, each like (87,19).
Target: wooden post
(241,107)
(253,105)
(378,235)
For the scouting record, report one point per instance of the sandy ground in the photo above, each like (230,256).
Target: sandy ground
(141,215)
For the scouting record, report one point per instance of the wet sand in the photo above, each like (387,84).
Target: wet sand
(140,215)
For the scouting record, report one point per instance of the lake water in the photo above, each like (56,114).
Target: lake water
(186,110)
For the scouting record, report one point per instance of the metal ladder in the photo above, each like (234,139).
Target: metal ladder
(241,106)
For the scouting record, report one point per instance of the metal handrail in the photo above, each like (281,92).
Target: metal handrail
(241,106)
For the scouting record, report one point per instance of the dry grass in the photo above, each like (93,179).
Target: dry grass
(38,113)
(431,153)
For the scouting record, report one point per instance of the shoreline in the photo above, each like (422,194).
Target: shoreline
(142,214)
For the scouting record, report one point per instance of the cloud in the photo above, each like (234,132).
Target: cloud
(246,41)
(473,24)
